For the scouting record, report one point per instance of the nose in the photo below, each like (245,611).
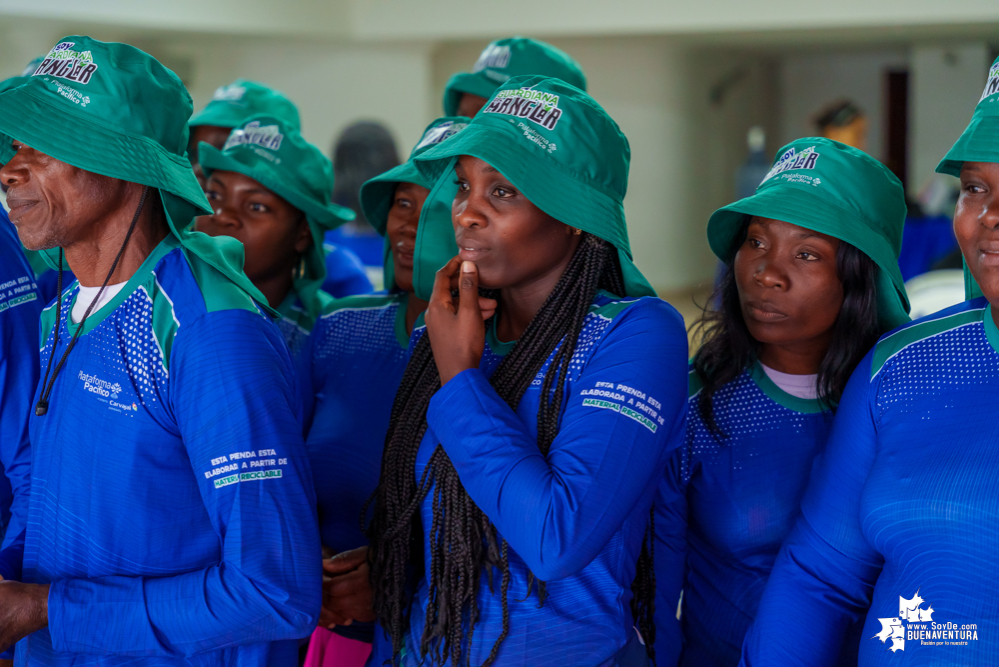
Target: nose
(15,172)
(224,215)
(768,274)
(989,217)
(469,212)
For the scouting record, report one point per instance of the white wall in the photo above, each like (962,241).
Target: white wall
(809,81)
(946,83)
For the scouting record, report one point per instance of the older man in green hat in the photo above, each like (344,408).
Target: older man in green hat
(169,473)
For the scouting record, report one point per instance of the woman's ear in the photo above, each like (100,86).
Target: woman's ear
(303,241)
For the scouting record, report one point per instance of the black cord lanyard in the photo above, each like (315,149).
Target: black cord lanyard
(43,402)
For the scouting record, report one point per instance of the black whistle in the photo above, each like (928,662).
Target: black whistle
(41,408)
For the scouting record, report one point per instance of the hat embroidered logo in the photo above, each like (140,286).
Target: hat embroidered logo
(792,159)
(63,62)
(494,56)
(535,105)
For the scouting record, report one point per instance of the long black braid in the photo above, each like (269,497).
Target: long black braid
(463,541)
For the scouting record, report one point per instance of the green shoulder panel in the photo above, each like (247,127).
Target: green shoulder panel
(614,308)
(694,384)
(359,301)
(165,323)
(888,347)
(218,291)
(48,318)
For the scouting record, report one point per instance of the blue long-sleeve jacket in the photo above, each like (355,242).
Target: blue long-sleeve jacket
(172,509)
(20,307)
(900,518)
(576,517)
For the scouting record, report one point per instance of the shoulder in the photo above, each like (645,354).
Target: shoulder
(196,288)
(912,337)
(361,303)
(647,313)
(18,292)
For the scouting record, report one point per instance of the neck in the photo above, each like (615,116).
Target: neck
(803,358)
(414,307)
(276,287)
(91,258)
(519,304)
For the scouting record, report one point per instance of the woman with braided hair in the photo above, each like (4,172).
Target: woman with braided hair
(512,518)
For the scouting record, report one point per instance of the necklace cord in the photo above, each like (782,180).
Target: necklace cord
(42,406)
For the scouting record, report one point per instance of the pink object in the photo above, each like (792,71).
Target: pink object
(328,649)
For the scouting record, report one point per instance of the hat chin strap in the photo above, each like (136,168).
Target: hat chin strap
(42,406)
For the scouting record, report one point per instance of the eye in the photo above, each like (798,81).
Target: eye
(804,254)
(403,202)
(754,243)
(973,188)
(212,195)
(257,207)
(503,192)
(462,185)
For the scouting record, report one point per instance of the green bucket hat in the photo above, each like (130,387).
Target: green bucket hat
(978,143)
(376,193)
(16,81)
(506,58)
(829,187)
(114,110)
(233,105)
(273,153)
(557,146)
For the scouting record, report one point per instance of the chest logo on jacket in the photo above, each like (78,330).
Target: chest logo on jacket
(914,623)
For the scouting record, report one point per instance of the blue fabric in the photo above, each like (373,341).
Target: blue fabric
(743,494)
(172,507)
(48,283)
(369,246)
(20,307)
(350,371)
(924,241)
(345,274)
(902,505)
(576,517)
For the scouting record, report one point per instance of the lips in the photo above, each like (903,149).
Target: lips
(404,255)
(18,207)
(763,311)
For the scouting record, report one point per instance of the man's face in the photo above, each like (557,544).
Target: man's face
(53,203)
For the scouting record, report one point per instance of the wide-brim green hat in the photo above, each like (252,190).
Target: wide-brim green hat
(377,193)
(978,143)
(559,147)
(834,189)
(234,104)
(111,109)
(506,58)
(273,153)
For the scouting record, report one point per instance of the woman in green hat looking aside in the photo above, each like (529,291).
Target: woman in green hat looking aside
(467,92)
(899,519)
(270,189)
(811,281)
(523,456)
(350,371)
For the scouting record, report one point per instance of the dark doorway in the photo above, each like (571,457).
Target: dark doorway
(897,121)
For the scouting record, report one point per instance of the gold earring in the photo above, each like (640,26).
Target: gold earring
(300,269)
(577,231)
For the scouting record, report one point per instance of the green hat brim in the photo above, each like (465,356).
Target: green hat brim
(33,120)
(978,143)
(474,83)
(219,115)
(804,209)
(376,193)
(543,182)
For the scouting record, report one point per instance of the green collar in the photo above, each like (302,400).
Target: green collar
(779,396)
(400,321)
(991,332)
(498,347)
(138,278)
